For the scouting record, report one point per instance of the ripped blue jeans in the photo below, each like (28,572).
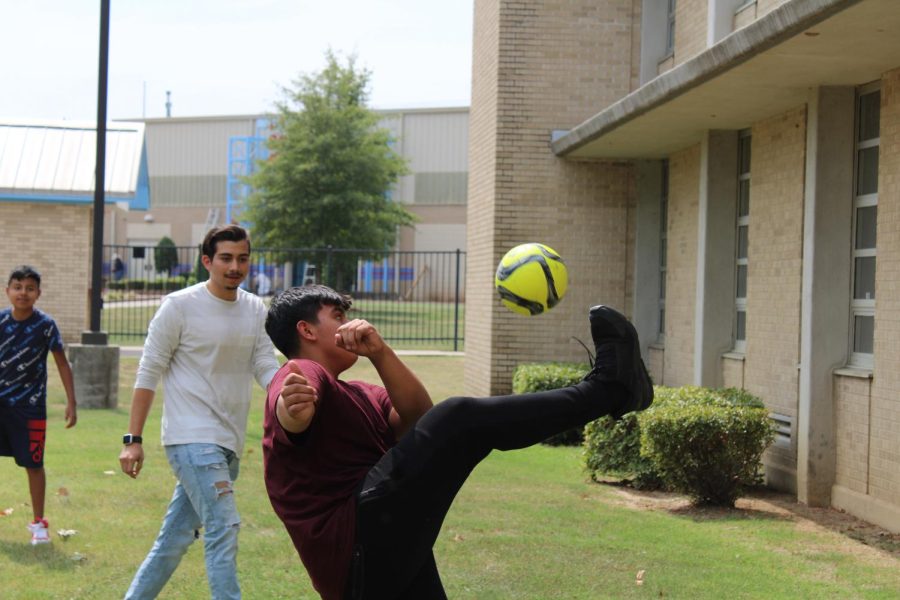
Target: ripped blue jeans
(203,497)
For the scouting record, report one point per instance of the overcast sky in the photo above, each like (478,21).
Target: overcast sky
(222,57)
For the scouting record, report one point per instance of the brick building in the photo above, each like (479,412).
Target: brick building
(726,173)
(47,171)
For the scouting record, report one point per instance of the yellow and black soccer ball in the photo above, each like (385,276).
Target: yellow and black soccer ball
(531,279)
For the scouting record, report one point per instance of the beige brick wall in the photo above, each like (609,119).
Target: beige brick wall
(690,29)
(766,6)
(744,17)
(775,267)
(851,427)
(54,239)
(655,362)
(681,266)
(884,465)
(733,372)
(540,67)
(480,212)
(776,259)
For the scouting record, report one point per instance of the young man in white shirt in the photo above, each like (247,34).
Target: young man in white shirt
(206,342)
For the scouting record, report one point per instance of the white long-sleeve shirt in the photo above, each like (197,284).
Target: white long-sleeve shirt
(206,349)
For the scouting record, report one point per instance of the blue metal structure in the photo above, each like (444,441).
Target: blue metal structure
(244,152)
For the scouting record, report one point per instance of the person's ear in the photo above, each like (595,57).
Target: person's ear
(305,330)
(207,262)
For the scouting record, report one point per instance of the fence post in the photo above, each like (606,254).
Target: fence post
(456,307)
(329,275)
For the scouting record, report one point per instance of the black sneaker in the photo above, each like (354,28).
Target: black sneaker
(618,358)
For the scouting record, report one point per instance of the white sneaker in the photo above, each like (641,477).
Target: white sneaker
(40,532)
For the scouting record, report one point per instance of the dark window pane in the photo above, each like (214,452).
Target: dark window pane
(662,320)
(742,281)
(863,334)
(744,198)
(864,278)
(742,241)
(869,116)
(662,284)
(866,226)
(744,155)
(740,326)
(663,254)
(867,171)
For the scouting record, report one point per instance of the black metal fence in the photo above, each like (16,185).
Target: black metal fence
(416,299)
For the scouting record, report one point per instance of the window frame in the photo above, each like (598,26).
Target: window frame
(740,302)
(670,28)
(862,307)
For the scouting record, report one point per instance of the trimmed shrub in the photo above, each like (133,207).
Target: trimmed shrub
(542,377)
(708,447)
(613,449)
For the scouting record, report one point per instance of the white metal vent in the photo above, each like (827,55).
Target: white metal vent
(782,424)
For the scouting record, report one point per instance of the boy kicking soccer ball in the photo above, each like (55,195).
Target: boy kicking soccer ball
(362,475)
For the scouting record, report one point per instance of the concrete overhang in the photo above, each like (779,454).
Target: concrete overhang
(761,70)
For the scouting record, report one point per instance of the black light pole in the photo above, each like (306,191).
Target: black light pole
(95,336)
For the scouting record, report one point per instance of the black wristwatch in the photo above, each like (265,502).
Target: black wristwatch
(129,439)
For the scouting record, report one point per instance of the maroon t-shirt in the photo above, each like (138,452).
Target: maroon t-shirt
(311,476)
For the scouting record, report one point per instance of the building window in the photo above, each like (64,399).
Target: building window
(663,236)
(865,219)
(670,29)
(742,236)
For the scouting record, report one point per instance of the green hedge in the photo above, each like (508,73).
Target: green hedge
(709,450)
(542,377)
(160,284)
(664,445)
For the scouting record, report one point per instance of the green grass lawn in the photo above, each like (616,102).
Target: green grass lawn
(528,524)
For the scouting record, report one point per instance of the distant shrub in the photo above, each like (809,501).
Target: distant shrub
(542,377)
(165,255)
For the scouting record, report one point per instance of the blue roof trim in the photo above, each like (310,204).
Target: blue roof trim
(58,198)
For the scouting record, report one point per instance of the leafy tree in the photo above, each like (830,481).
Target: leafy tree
(165,255)
(330,168)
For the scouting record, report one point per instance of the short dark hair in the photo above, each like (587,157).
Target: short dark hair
(24,272)
(223,233)
(299,304)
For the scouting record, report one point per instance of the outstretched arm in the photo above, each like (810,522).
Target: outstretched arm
(409,397)
(65,374)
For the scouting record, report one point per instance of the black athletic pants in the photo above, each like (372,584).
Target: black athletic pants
(404,498)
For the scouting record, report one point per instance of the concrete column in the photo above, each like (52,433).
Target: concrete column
(96,373)
(714,316)
(825,294)
(645,312)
